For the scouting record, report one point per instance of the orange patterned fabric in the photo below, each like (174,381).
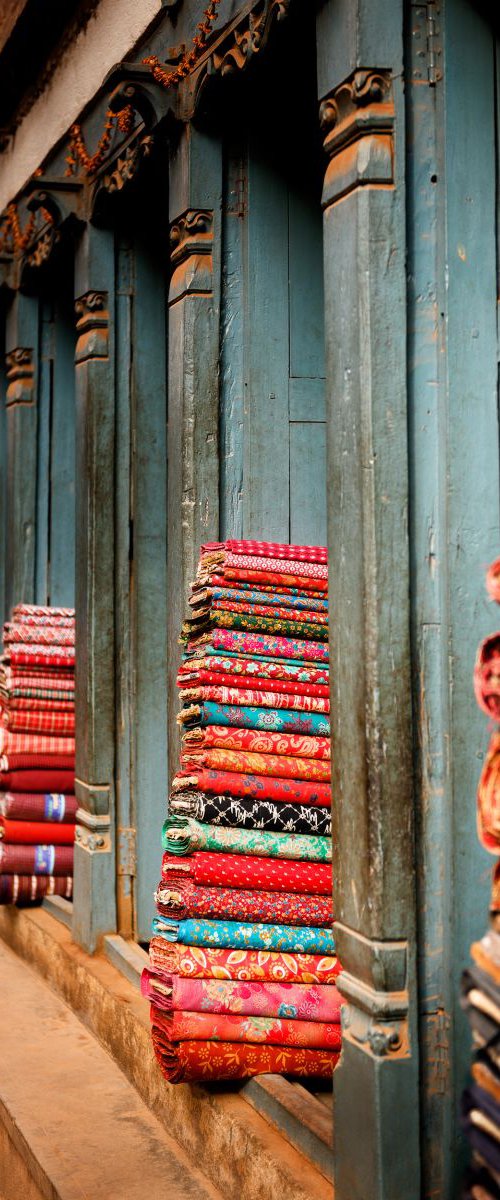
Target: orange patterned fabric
(257,764)
(183,1062)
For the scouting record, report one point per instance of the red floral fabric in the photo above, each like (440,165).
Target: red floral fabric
(233,1027)
(39,635)
(300,1001)
(248,871)
(41,656)
(222,759)
(202,678)
(252,562)
(279,550)
(258,741)
(261,645)
(183,1062)
(22,612)
(250,667)
(206,962)
(268,610)
(185,900)
(254,698)
(281,578)
(221,581)
(232,783)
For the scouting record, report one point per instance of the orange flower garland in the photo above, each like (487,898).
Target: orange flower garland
(169,79)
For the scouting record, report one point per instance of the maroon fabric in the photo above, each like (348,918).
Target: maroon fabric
(38,781)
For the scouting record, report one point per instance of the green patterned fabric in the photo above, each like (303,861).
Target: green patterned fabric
(183,835)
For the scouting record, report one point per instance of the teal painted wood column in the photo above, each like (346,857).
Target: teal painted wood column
(193,376)
(376,1124)
(95,905)
(22,332)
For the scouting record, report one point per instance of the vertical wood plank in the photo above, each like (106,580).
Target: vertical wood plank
(44,430)
(150,609)
(22,358)
(193,376)
(62,506)
(124,300)
(95,906)
(376,1083)
(473,478)
(232,382)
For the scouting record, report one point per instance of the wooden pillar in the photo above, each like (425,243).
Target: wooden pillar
(21,400)
(360,78)
(193,376)
(95,906)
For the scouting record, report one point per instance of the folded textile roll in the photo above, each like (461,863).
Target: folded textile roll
(258,741)
(36,860)
(195,962)
(270,787)
(25,612)
(260,643)
(317,569)
(14,680)
(39,635)
(239,935)
(36,832)
(236,1027)
(42,721)
(38,778)
(253,596)
(488,798)
(255,698)
(480,1121)
(183,1062)
(26,806)
(280,550)
(204,677)
(247,813)
(247,871)
(248,763)
(280,720)
(41,656)
(188,899)
(264,578)
(24,890)
(217,580)
(277,669)
(487,676)
(183,835)
(35,743)
(480,1185)
(21,704)
(277,611)
(297,1001)
(220,619)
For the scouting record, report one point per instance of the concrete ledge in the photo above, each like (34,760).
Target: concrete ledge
(244,1155)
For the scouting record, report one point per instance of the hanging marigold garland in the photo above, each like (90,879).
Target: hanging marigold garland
(78,154)
(169,78)
(12,237)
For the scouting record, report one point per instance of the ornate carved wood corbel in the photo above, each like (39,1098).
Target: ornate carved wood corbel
(357,120)
(191,244)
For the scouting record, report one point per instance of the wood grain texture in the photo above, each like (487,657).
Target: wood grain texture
(22,331)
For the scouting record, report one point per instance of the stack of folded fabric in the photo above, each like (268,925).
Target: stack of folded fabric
(37,755)
(242,961)
(481,982)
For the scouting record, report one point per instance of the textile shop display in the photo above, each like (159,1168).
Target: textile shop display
(37,755)
(242,959)
(480,985)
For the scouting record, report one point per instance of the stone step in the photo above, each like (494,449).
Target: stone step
(71,1125)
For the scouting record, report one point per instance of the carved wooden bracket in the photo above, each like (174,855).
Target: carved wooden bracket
(191,244)
(237,45)
(92,327)
(127,165)
(93,832)
(375,985)
(357,119)
(20,369)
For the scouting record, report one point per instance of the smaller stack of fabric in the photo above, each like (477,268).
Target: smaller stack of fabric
(37,755)
(242,958)
(481,982)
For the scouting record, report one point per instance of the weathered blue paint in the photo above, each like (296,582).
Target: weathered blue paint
(44,437)
(63,462)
